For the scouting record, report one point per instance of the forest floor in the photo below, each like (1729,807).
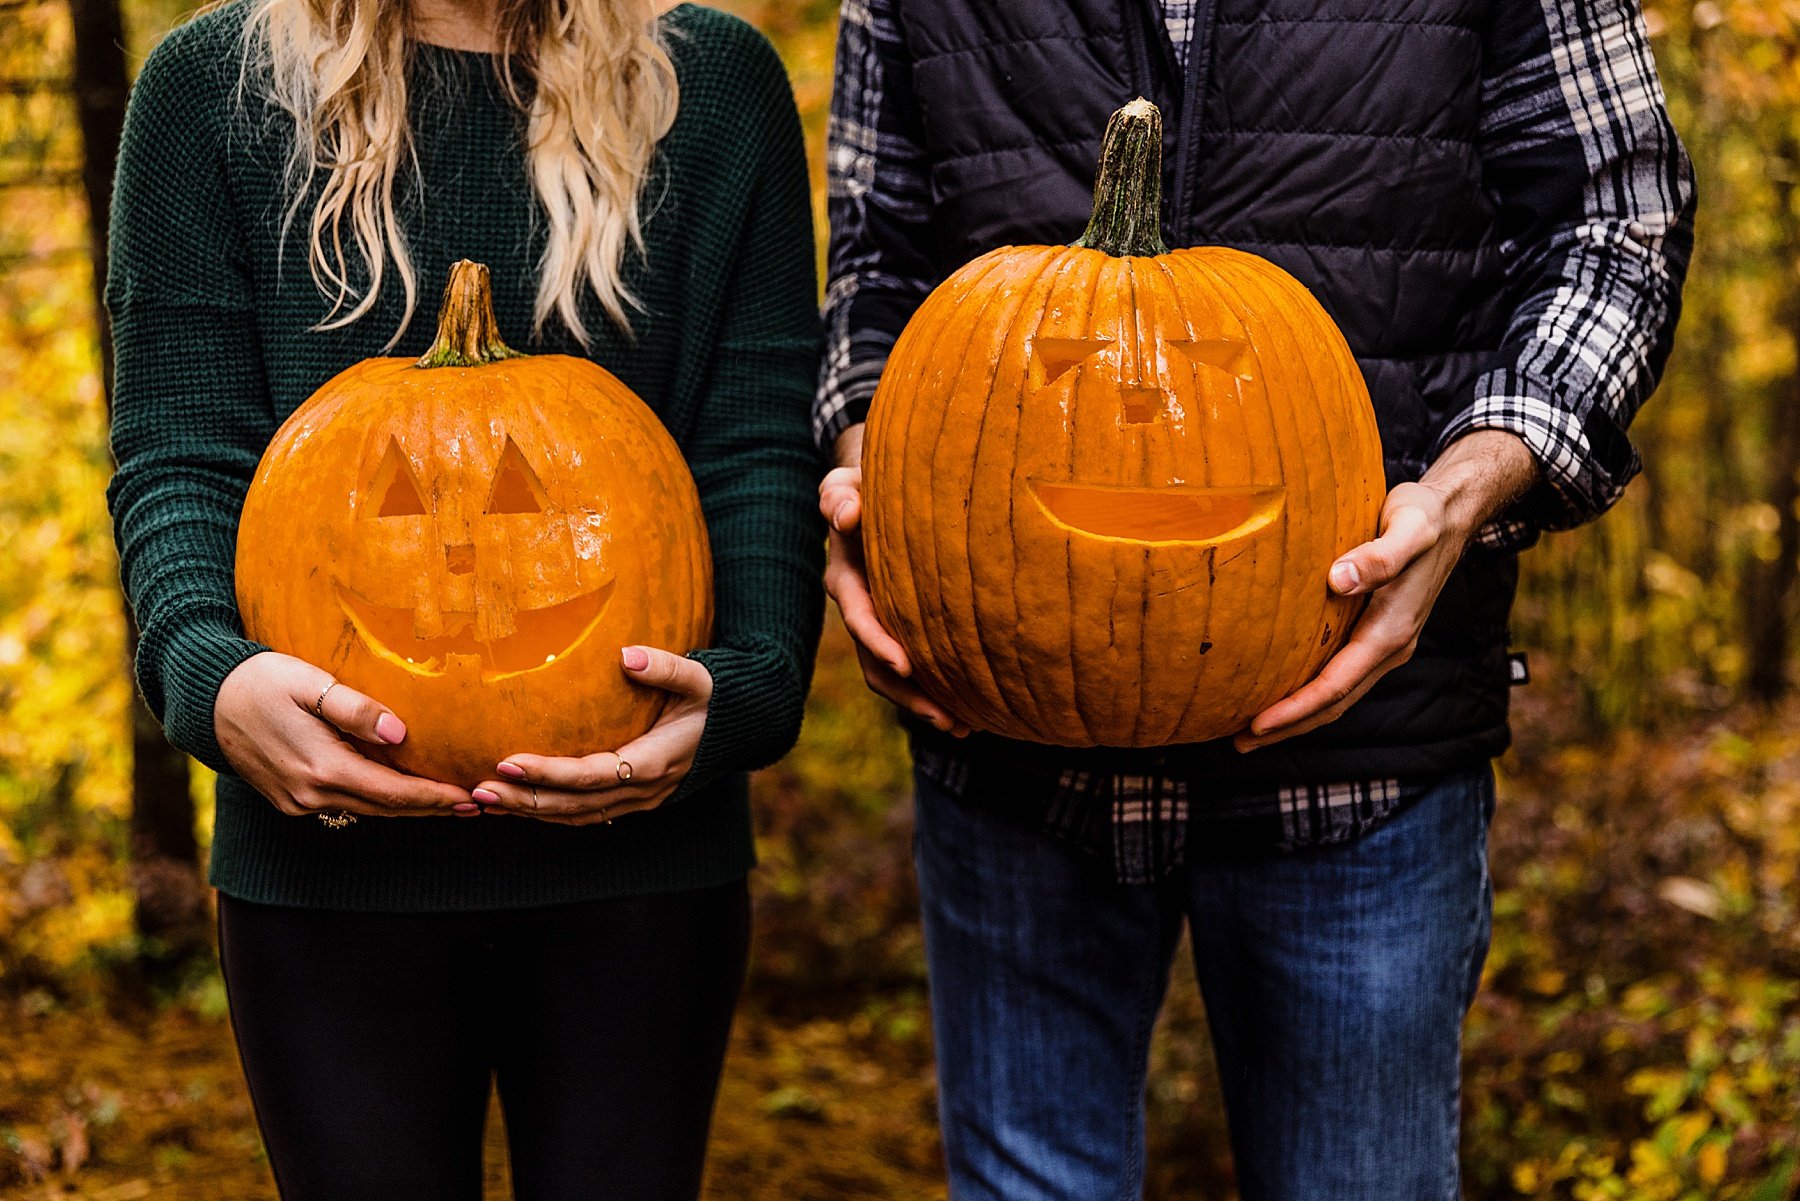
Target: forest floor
(1637,1037)
(153,1107)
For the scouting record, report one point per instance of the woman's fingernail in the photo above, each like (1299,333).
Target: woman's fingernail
(636,658)
(1344,576)
(484,796)
(389,729)
(469,807)
(837,518)
(513,770)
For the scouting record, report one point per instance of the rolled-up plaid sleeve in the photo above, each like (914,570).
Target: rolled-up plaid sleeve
(879,202)
(1597,201)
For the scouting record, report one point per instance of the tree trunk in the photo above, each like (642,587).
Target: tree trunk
(171,901)
(1771,596)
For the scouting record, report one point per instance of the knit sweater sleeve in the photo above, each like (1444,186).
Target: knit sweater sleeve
(753,459)
(190,406)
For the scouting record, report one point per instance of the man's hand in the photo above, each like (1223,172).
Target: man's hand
(885,666)
(1425,527)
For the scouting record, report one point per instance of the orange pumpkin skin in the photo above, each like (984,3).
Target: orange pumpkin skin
(472,546)
(1102,491)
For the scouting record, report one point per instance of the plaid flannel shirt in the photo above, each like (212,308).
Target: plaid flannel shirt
(1578,148)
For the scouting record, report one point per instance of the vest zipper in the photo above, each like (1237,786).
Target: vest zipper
(1137,46)
(1187,132)
(1156,74)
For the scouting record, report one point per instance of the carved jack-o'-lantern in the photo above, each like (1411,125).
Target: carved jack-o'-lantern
(471,539)
(1103,483)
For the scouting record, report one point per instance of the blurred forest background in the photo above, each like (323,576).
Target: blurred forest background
(1639,1032)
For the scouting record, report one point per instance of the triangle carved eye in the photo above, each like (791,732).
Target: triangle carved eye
(516,486)
(1230,355)
(1055,356)
(395,489)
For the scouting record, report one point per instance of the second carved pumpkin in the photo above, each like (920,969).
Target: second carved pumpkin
(1103,483)
(471,538)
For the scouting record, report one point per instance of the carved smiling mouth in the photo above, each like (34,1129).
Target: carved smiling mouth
(1173,513)
(542,635)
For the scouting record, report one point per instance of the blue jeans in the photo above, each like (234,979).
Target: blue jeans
(1335,980)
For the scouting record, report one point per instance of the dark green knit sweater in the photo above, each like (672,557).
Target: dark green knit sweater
(212,320)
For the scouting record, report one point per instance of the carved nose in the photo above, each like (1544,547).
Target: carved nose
(1141,405)
(460,558)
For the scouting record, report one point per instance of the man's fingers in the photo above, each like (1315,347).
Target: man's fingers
(840,498)
(904,693)
(851,593)
(354,713)
(1408,533)
(1365,652)
(1323,716)
(842,508)
(679,674)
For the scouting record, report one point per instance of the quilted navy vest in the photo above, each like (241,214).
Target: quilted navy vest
(1336,138)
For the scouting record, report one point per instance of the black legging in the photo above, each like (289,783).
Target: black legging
(369,1041)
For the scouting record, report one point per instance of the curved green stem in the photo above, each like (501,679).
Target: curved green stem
(1127,216)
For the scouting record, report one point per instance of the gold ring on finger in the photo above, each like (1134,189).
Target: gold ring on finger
(319,704)
(623,771)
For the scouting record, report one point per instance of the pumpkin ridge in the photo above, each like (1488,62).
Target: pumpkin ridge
(1077,277)
(1082,718)
(1335,473)
(1135,308)
(889,552)
(1232,658)
(1337,476)
(1279,407)
(1031,306)
(1196,687)
(982,331)
(946,652)
(912,537)
(1169,303)
(1304,656)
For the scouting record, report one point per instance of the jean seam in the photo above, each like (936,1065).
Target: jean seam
(1453,1181)
(1150,998)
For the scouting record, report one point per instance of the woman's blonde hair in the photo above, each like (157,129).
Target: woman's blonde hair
(600,93)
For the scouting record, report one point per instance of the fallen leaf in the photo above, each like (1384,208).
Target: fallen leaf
(1695,896)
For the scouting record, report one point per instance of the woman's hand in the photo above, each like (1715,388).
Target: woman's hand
(638,776)
(301,761)
(1425,527)
(885,666)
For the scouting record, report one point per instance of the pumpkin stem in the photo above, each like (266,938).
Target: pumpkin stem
(467,333)
(1127,216)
